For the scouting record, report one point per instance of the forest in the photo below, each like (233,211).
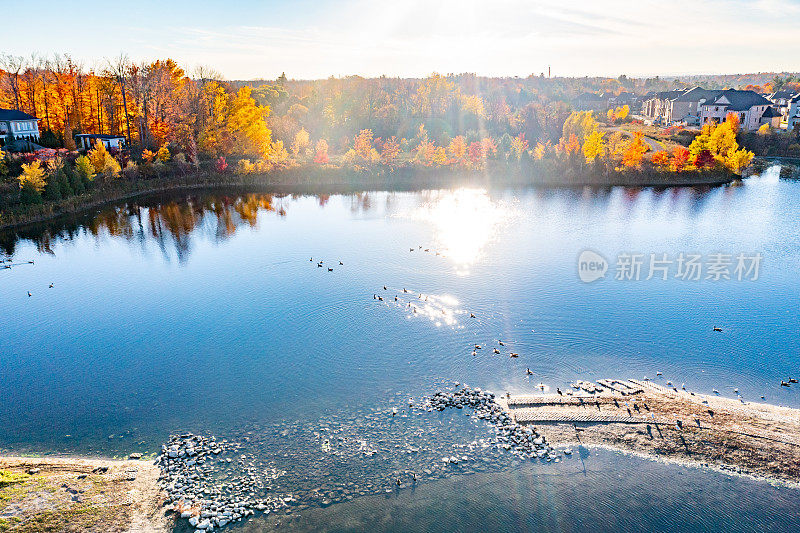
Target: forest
(176,121)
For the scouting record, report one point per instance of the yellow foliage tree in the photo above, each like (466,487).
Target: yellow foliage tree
(739,160)
(32,176)
(593,146)
(163,154)
(103,162)
(301,143)
(457,149)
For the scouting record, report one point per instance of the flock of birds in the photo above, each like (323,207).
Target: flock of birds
(320,264)
(9,262)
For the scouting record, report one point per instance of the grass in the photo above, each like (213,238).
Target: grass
(7,478)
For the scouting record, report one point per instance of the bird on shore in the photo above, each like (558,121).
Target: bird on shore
(717,329)
(558,390)
(374,297)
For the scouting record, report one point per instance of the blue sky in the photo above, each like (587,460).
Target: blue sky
(308,39)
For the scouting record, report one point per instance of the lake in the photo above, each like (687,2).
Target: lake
(208,312)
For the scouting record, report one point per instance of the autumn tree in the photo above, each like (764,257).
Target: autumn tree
(301,143)
(593,146)
(321,152)
(632,157)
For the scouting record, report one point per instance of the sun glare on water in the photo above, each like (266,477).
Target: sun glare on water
(464,222)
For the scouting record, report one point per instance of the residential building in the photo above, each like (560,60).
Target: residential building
(792,116)
(21,126)
(591,102)
(748,105)
(86,141)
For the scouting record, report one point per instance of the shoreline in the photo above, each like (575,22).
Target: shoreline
(296,181)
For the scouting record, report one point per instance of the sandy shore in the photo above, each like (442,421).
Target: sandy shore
(81,494)
(748,438)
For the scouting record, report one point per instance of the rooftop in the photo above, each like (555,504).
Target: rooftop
(739,100)
(13,114)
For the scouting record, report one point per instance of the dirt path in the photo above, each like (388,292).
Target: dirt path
(92,495)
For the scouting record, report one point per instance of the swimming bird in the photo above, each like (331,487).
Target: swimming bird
(792,380)
(472,315)
(512,354)
(477,346)
(374,297)
(474,352)
(29,294)
(404,290)
(341,264)
(658,373)
(395,298)
(427,249)
(715,391)
(717,329)
(51,286)
(501,343)
(763,397)
(559,391)
(330,270)
(783,383)
(312,259)
(380,298)
(319,265)
(528,372)
(410,249)
(496,351)
(736,391)
(384,287)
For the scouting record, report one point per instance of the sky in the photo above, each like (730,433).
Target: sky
(251,39)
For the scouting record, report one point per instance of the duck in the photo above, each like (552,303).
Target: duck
(512,354)
(717,329)
(319,265)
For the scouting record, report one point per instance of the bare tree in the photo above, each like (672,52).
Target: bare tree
(13,65)
(119,69)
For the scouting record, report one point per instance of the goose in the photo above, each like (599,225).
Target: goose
(783,383)
(330,269)
(51,286)
(512,354)
(528,372)
(474,352)
(658,374)
(717,329)
(501,343)
(472,315)
(380,298)
(496,351)
(384,287)
(715,391)
(792,380)
(477,346)
(29,294)
(410,249)
(404,290)
(395,298)
(341,264)
(374,297)
(559,391)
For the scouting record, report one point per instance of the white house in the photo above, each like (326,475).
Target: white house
(748,105)
(19,125)
(792,116)
(86,141)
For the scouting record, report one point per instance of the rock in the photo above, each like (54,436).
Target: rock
(33,471)
(135,456)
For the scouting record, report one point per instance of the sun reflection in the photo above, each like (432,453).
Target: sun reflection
(464,222)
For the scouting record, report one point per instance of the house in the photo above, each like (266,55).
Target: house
(772,117)
(86,141)
(685,108)
(591,102)
(792,116)
(749,105)
(656,106)
(18,126)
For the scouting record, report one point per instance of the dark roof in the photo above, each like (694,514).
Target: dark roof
(770,113)
(13,114)
(696,94)
(669,95)
(784,93)
(795,98)
(739,100)
(589,96)
(99,136)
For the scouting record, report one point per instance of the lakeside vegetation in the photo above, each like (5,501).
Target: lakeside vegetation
(346,132)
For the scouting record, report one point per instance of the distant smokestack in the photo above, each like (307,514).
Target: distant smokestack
(548,71)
